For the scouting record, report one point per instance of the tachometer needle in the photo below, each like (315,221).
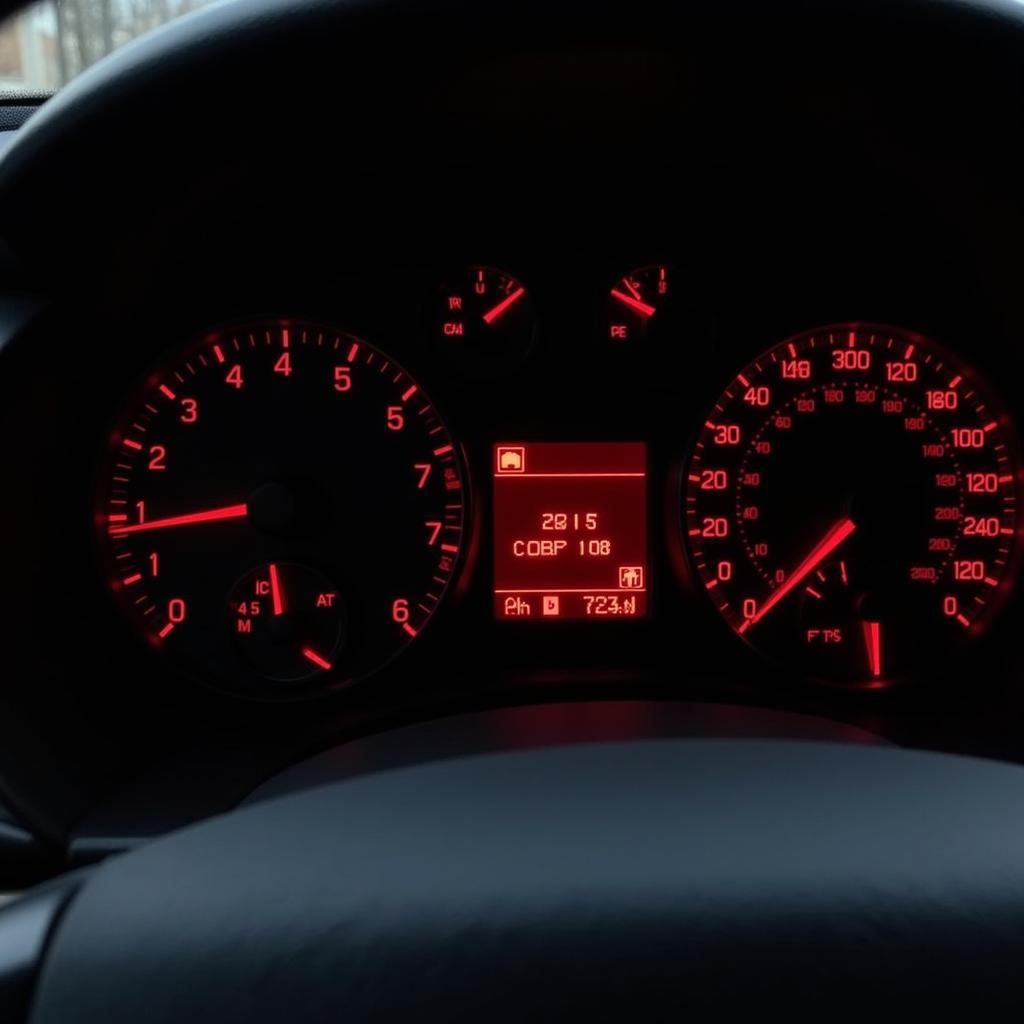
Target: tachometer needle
(821,551)
(873,642)
(491,315)
(212,515)
(276,593)
(643,308)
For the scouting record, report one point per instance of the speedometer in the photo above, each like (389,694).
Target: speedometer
(282,508)
(850,504)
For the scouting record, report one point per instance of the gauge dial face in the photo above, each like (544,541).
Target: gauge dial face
(281,509)
(658,324)
(485,322)
(643,303)
(850,505)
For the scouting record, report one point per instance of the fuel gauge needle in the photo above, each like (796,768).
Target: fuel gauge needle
(873,642)
(643,308)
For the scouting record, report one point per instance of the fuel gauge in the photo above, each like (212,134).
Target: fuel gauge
(655,314)
(641,303)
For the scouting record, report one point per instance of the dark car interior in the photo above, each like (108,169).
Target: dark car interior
(512,512)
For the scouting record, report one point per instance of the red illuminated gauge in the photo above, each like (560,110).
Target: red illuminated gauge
(850,505)
(249,459)
(644,303)
(658,324)
(288,621)
(485,322)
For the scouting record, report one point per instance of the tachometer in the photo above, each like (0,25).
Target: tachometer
(850,505)
(282,508)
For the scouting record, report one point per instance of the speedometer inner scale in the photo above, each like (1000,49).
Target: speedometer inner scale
(281,509)
(850,504)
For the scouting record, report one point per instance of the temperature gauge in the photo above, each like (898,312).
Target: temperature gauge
(485,322)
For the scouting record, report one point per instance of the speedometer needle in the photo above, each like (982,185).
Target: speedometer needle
(212,515)
(501,307)
(821,551)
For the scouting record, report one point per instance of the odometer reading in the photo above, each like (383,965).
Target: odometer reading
(850,505)
(282,508)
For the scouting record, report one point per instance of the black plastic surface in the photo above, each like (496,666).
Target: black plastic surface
(625,881)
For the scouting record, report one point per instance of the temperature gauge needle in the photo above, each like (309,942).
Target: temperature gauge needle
(212,515)
(873,642)
(820,552)
(276,593)
(502,307)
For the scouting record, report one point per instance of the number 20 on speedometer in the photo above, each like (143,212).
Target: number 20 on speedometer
(850,504)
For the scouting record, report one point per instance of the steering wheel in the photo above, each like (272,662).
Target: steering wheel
(606,881)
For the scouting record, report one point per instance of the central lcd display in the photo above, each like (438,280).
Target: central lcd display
(570,530)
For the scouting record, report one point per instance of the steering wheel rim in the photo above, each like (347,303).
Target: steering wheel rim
(640,879)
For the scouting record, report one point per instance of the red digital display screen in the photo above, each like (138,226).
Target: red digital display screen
(570,530)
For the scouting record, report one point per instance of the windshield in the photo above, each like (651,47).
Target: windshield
(50,42)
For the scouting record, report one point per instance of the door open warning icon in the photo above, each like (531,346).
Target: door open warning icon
(511,460)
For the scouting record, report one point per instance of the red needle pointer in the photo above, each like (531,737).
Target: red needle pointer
(643,308)
(310,655)
(276,593)
(873,641)
(491,315)
(821,551)
(212,515)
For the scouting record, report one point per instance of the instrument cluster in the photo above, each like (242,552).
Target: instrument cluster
(285,504)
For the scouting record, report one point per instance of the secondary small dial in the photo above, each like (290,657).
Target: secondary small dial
(291,454)
(850,505)
(484,321)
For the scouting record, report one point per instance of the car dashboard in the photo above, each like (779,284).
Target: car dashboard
(580,383)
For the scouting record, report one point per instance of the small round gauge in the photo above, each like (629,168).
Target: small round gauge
(645,303)
(485,321)
(281,509)
(288,621)
(655,316)
(850,505)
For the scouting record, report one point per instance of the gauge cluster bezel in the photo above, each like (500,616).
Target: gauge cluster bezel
(567,390)
(578,645)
